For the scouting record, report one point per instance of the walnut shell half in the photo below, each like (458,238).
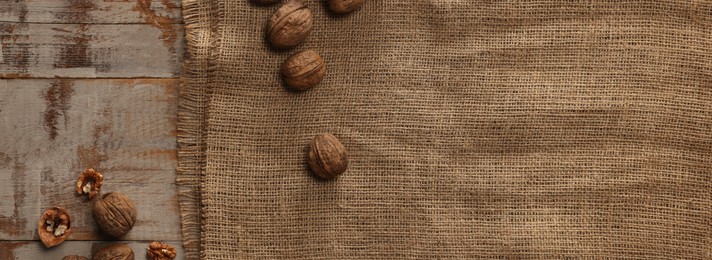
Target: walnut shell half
(303,70)
(290,25)
(74,257)
(54,226)
(345,6)
(327,157)
(114,252)
(115,213)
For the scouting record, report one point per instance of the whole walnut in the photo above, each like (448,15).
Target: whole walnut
(265,2)
(114,252)
(327,157)
(345,6)
(303,70)
(74,257)
(54,226)
(115,213)
(290,25)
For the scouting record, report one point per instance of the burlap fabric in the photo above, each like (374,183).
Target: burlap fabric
(525,129)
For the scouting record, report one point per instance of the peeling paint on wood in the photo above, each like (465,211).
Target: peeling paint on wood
(164,23)
(86,51)
(15,9)
(12,224)
(122,127)
(7,249)
(57,98)
(83,11)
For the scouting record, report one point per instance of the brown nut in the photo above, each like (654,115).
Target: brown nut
(303,70)
(54,226)
(115,213)
(89,182)
(327,157)
(345,6)
(74,257)
(114,252)
(160,251)
(289,25)
(265,2)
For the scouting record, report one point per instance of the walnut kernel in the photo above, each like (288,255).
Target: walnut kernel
(89,183)
(160,251)
(54,226)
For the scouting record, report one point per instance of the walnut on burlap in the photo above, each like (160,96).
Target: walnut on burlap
(527,129)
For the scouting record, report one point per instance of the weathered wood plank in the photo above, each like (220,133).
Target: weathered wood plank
(88,51)
(52,129)
(89,11)
(22,250)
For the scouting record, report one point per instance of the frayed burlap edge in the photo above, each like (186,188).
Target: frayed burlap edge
(194,96)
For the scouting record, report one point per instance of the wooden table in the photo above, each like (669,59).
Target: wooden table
(88,83)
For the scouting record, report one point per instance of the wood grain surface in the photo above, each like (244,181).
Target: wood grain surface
(29,250)
(88,51)
(88,83)
(88,11)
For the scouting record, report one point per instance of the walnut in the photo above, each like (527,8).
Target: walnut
(114,252)
(161,251)
(290,25)
(115,213)
(345,6)
(327,157)
(265,2)
(54,226)
(74,257)
(89,182)
(303,70)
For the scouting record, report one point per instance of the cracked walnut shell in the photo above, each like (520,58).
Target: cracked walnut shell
(54,226)
(160,251)
(290,25)
(89,183)
(345,6)
(114,252)
(303,70)
(327,157)
(115,213)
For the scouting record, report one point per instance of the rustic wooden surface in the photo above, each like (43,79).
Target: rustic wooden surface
(87,83)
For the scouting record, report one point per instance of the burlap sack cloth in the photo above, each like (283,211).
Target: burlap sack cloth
(476,129)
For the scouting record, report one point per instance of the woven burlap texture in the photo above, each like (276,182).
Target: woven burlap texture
(525,129)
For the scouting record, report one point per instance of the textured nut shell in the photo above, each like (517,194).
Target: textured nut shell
(290,25)
(74,257)
(89,175)
(114,252)
(265,2)
(47,237)
(160,251)
(345,6)
(303,70)
(327,156)
(115,213)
